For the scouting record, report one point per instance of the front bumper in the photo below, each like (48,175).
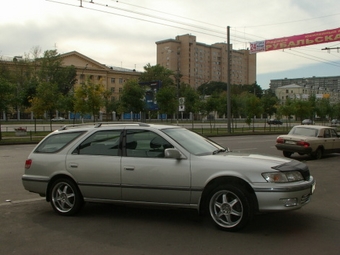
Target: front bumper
(283,197)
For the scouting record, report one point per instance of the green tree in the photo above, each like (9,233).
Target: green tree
(302,109)
(167,100)
(157,73)
(132,97)
(269,103)
(212,105)
(252,106)
(52,71)
(89,98)
(191,99)
(323,108)
(286,110)
(47,99)
(167,95)
(335,111)
(6,92)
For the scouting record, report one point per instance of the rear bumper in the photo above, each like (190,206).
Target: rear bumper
(293,148)
(35,185)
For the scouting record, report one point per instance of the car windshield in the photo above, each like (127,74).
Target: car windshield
(304,131)
(192,142)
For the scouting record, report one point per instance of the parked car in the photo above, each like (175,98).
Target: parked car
(312,140)
(58,119)
(163,165)
(335,122)
(307,122)
(274,122)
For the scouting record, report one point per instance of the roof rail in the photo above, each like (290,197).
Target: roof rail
(99,124)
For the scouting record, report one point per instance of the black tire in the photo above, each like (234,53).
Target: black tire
(317,154)
(287,154)
(230,207)
(65,197)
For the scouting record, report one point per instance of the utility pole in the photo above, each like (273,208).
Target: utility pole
(229,80)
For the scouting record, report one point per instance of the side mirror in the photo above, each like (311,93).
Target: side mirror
(172,153)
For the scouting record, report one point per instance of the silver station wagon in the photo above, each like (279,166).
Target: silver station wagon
(163,165)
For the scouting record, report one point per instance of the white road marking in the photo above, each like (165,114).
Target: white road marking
(9,202)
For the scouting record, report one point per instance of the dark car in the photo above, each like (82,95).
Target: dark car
(274,122)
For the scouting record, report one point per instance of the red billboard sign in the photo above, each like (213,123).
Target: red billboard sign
(325,36)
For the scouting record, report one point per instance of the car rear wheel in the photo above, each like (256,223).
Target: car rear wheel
(317,154)
(287,154)
(66,198)
(230,207)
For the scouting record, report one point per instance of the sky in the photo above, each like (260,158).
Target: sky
(124,33)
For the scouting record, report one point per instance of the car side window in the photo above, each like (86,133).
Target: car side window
(56,142)
(106,142)
(333,133)
(327,133)
(144,143)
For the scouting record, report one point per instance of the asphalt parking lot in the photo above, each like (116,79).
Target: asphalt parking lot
(30,226)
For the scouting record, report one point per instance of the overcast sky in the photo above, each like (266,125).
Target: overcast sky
(123,33)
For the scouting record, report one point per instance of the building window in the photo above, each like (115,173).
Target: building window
(120,80)
(120,90)
(113,80)
(113,89)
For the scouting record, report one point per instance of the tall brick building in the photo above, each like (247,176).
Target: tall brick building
(200,63)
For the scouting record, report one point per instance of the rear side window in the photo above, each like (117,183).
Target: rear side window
(105,143)
(56,142)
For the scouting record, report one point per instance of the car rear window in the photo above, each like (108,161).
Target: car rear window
(56,142)
(311,132)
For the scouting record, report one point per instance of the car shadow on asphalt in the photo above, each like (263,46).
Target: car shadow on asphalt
(134,217)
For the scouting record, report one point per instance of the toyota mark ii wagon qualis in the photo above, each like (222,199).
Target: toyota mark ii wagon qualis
(163,165)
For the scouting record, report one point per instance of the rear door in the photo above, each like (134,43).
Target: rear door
(95,165)
(327,140)
(336,141)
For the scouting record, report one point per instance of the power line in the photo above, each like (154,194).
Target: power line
(197,29)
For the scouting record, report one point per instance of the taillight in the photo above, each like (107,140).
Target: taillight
(280,140)
(28,163)
(303,143)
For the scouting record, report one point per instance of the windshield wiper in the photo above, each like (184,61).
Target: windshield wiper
(218,151)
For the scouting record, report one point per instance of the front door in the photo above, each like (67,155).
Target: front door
(147,176)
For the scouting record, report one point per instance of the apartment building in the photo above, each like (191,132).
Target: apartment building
(199,63)
(303,88)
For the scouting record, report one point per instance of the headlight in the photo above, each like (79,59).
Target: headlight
(292,176)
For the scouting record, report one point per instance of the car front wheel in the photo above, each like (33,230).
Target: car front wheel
(66,198)
(230,207)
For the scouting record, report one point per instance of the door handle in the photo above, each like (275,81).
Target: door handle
(129,168)
(74,165)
